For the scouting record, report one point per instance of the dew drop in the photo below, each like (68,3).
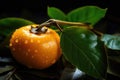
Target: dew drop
(28,50)
(36,51)
(32,56)
(10,44)
(26,41)
(16,40)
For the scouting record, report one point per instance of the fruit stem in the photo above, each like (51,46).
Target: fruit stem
(68,23)
(60,22)
(57,23)
(97,32)
(53,22)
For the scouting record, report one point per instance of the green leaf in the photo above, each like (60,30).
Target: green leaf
(86,14)
(83,49)
(8,25)
(111,41)
(56,13)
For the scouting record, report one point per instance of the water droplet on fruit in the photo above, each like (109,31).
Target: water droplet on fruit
(28,50)
(10,44)
(32,56)
(26,41)
(16,40)
(36,51)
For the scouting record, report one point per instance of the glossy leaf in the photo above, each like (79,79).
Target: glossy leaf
(7,25)
(86,14)
(83,49)
(56,13)
(111,41)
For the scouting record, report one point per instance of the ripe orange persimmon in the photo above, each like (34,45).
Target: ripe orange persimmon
(38,51)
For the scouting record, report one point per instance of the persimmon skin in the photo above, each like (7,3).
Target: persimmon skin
(38,51)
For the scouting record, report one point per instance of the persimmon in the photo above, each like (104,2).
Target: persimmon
(38,51)
(37,46)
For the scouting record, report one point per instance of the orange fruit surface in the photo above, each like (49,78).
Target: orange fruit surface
(38,51)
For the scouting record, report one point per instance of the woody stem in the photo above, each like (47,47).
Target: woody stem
(57,23)
(60,22)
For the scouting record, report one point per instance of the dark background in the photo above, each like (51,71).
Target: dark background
(36,10)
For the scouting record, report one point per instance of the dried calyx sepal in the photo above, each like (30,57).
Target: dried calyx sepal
(38,29)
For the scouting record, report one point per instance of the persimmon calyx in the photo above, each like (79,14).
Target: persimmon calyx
(38,29)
